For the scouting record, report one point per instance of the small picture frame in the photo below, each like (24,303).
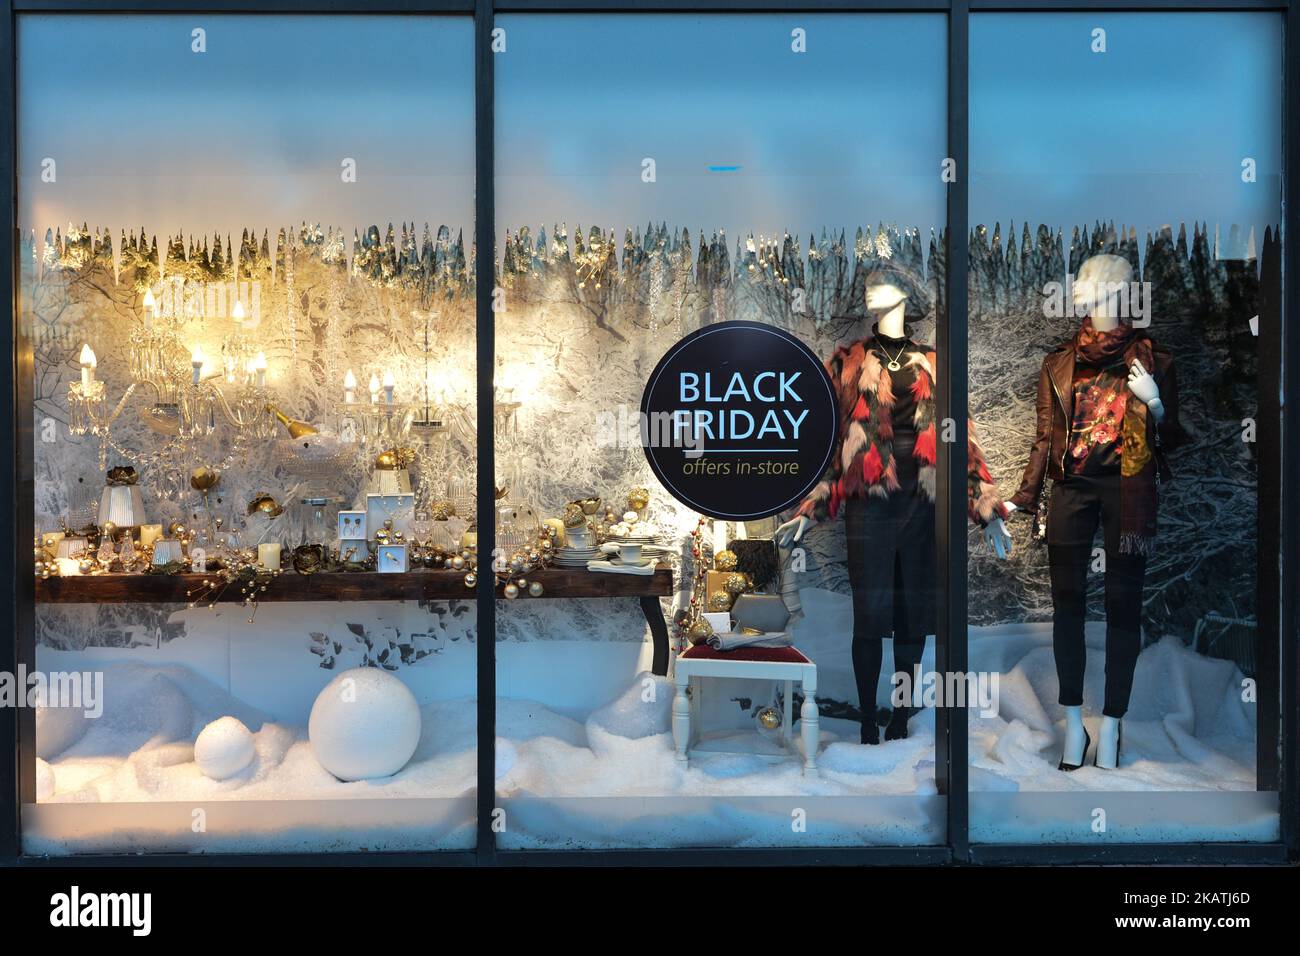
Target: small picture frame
(391,559)
(353,551)
(352,526)
(399,509)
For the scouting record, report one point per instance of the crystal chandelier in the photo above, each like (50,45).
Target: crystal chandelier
(186,405)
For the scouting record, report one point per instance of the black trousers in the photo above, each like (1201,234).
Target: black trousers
(1079,504)
(891,564)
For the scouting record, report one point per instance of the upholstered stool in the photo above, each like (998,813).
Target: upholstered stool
(752,663)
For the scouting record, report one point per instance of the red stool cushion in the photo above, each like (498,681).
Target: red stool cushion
(778,655)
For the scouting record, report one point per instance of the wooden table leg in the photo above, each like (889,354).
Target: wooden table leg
(654,615)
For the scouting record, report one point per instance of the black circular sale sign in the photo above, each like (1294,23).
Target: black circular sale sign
(739,420)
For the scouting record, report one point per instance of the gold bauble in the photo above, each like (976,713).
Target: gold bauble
(724,561)
(737,583)
(457,563)
(769,718)
(386,460)
(535,589)
(638,498)
(700,631)
(719,601)
(471,579)
(175,530)
(442,510)
(203,479)
(574,517)
(511,591)
(108,529)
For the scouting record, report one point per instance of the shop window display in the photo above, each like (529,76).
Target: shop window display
(253,446)
(753,695)
(1115,356)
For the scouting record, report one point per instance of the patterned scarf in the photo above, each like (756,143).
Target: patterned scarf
(1138,496)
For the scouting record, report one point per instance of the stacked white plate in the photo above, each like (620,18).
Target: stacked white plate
(574,557)
(635,539)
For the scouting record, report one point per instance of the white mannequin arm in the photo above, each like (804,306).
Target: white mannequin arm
(791,531)
(1143,384)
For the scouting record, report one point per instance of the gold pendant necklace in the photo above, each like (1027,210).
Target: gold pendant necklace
(893,365)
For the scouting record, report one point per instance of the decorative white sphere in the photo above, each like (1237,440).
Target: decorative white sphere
(364,724)
(223,748)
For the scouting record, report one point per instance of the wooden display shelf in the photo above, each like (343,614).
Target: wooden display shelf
(439,585)
(372,586)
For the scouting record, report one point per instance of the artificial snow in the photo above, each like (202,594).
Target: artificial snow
(45,785)
(606,775)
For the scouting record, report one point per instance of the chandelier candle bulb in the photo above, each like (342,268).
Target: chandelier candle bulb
(88,364)
(196,363)
(374,389)
(259,369)
(389,383)
(150,307)
(349,388)
(268,556)
(238,314)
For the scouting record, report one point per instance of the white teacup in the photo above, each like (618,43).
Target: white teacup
(629,553)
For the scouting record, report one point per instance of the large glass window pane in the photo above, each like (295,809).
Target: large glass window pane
(658,176)
(1128,202)
(247,309)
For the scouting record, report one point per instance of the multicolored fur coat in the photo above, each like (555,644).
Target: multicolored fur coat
(864,464)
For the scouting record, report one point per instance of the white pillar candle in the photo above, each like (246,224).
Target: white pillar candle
(268,556)
(719,536)
(149,533)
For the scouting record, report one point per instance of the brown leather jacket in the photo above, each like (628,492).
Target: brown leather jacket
(1056,413)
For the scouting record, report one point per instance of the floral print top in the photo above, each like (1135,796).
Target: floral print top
(1096,435)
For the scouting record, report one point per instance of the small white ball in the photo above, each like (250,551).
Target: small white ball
(223,748)
(364,724)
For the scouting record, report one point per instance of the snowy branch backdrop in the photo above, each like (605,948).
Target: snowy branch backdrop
(584,317)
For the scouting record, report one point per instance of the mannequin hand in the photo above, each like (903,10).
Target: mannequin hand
(998,538)
(791,531)
(1142,384)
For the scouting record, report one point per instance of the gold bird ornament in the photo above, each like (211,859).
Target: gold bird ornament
(266,504)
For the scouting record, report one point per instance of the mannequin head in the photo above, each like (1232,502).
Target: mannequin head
(894,295)
(884,296)
(1097,289)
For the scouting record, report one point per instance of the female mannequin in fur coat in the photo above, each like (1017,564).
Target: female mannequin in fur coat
(882,482)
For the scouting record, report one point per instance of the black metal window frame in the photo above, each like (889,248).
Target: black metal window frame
(1279,444)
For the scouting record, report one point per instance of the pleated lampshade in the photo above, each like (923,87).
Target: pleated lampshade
(121,503)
